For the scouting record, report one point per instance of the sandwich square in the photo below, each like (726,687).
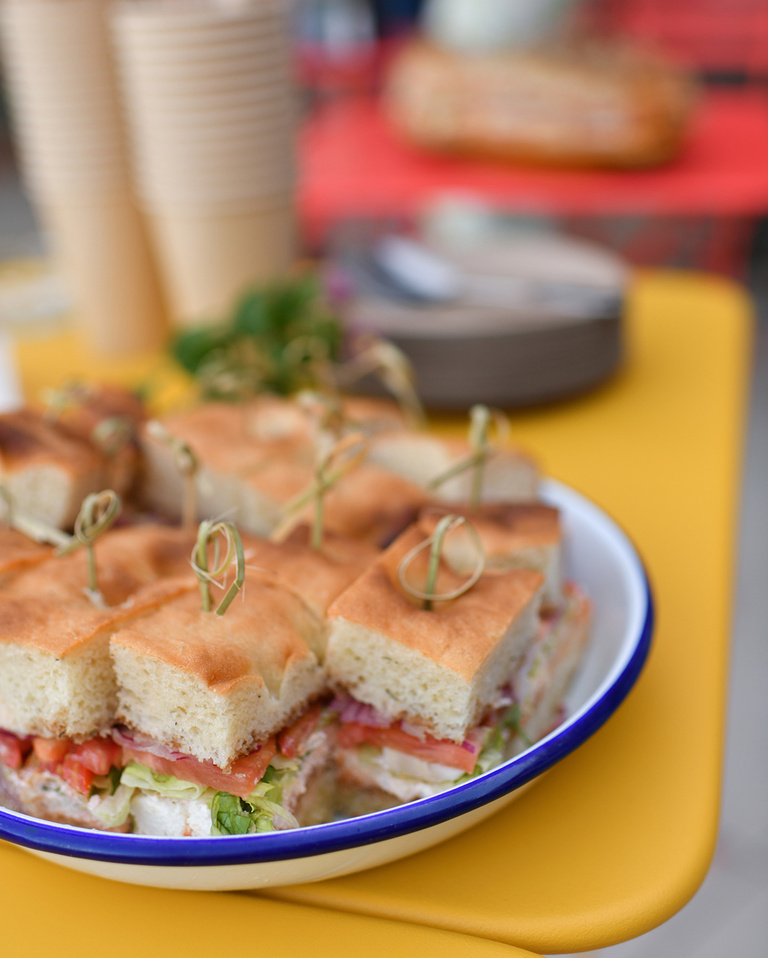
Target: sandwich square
(56,676)
(215,686)
(514,535)
(439,668)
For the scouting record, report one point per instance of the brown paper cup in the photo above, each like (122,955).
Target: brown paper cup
(67,115)
(208,257)
(179,16)
(105,252)
(240,50)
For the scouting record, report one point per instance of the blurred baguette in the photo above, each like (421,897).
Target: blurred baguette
(595,105)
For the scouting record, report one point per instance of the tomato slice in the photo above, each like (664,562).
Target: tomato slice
(51,751)
(240,780)
(429,749)
(292,740)
(98,755)
(13,749)
(76,774)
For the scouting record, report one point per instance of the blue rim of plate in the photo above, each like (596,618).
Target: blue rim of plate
(315,840)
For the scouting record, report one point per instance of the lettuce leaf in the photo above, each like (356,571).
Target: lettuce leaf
(112,810)
(231,815)
(136,775)
(494,750)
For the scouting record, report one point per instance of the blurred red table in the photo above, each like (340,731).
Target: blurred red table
(355,165)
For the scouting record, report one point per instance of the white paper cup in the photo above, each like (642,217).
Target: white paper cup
(207,258)
(255,159)
(220,134)
(105,252)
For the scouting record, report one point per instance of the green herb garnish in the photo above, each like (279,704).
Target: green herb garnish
(278,339)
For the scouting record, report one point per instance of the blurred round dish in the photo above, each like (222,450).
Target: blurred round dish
(512,321)
(599,557)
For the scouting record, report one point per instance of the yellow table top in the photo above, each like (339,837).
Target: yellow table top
(617,837)
(47,910)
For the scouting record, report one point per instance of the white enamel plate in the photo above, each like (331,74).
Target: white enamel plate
(599,557)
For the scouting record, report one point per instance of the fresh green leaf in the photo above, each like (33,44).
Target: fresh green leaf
(192,347)
(231,815)
(272,341)
(136,775)
(112,810)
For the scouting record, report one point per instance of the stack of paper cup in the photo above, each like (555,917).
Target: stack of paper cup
(212,110)
(68,127)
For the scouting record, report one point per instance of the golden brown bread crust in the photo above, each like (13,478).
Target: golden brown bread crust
(594,105)
(510,474)
(18,551)
(373,505)
(27,438)
(215,686)
(280,478)
(48,470)
(462,633)
(48,623)
(256,642)
(371,414)
(368,503)
(127,559)
(91,404)
(241,437)
(137,555)
(267,442)
(317,575)
(502,527)
(138,567)
(88,416)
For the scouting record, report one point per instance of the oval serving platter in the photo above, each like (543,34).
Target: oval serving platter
(599,557)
